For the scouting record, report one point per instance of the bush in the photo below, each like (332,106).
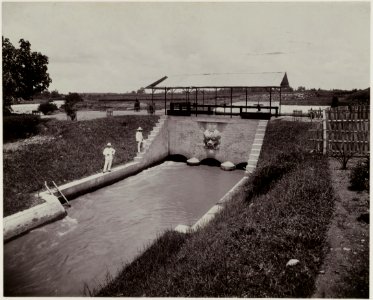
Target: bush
(47,107)
(20,126)
(359,177)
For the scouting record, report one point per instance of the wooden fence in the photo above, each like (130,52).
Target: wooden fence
(343,130)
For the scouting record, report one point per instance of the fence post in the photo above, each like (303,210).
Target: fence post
(324,132)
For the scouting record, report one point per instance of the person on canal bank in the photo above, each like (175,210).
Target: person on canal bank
(139,139)
(108,153)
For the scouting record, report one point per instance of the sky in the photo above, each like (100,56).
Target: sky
(123,46)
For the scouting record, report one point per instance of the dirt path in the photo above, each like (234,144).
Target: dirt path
(38,139)
(345,272)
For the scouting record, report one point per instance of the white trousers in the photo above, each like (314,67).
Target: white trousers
(139,146)
(108,162)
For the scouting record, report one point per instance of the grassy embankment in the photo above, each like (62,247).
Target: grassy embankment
(67,151)
(243,252)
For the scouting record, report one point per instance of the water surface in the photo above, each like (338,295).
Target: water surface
(110,226)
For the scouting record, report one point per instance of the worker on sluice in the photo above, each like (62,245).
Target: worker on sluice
(108,153)
(139,139)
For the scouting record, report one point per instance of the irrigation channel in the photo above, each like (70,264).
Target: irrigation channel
(109,227)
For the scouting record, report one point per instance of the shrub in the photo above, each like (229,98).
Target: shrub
(359,177)
(20,126)
(47,107)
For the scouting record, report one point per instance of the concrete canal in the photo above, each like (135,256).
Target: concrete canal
(109,227)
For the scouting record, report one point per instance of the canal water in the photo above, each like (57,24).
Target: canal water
(109,227)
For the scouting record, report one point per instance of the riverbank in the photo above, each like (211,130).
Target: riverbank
(245,251)
(63,152)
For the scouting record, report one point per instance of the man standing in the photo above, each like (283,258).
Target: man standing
(139,138)
(109,154)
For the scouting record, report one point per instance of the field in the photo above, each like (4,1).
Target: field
(296,206)
(65,151)
(287,208)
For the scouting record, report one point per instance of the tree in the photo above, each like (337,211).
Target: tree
(24,72)
(55,94)
(70,101)
(47,107)
(301,89)
(141,91)
(9,75)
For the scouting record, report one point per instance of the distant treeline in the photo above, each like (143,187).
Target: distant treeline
(238,93)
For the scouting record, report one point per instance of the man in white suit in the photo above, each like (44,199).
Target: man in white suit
(139,139)
(108,154)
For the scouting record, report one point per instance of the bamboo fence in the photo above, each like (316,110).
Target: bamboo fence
(343,130)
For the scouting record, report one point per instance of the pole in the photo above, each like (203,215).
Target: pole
(152,99)
(231,100)
(216,96)
(196,101)
(324,123)
(246,97)
(270,101)
(280,103)
(165,101)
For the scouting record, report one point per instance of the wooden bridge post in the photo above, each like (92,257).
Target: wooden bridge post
(246,98)
(324,123)
(165,101)
(231,100)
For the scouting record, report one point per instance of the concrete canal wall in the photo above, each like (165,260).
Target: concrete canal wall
(155,150)
(221,138)
(230,138)
(237,191)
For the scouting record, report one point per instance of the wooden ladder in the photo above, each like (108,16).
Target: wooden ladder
(58,190)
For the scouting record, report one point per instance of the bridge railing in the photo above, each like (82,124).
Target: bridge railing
(188,109)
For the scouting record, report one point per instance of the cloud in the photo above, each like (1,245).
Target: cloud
(267,53)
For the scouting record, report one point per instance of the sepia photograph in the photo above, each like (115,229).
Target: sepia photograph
(186,149)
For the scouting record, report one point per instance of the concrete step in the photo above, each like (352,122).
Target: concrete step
(252,162)
(256,148)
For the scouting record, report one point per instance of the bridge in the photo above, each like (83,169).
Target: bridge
(215,94)
(203,122)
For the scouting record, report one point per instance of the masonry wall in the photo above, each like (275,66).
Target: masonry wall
(186,137)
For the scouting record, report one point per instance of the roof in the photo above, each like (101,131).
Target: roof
(216,80)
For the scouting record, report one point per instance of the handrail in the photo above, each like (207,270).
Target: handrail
(63,196)
(193,107)
(52,193)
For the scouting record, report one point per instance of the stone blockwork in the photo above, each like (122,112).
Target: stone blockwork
(256,146)
(155,147)
(237,191)
(235,137)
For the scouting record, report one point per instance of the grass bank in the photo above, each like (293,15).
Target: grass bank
(67,151)
(243,252)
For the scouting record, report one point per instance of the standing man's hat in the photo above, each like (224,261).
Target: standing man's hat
(138,129)
(109,144)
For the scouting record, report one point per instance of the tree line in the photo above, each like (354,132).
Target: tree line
(25,75)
